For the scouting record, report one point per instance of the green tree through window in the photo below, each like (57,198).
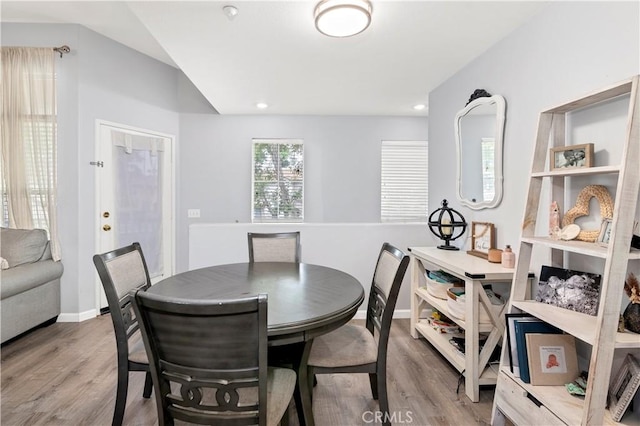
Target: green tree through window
(278,181)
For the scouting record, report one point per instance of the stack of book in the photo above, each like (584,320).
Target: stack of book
(540,353)
(442,324)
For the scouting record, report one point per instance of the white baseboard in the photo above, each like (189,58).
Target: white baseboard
(398,313)
(79,317)
(83,316)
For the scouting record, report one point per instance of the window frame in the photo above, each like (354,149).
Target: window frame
(275,141)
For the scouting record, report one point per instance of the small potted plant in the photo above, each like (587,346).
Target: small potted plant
(631,314)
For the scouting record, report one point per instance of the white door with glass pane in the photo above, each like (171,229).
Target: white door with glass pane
(134,197)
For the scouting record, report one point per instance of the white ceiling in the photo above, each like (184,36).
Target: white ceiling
(271,52)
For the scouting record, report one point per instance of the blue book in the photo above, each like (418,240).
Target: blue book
(523,326)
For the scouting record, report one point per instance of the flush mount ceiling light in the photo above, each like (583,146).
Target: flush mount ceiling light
(343,18)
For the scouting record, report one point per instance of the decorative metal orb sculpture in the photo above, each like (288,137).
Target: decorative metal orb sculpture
(447,224)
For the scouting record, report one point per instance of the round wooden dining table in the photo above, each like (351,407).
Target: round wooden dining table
(304,301)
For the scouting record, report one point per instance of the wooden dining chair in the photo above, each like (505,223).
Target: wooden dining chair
(208,361)
(274,247)
(121,271)
(355,349)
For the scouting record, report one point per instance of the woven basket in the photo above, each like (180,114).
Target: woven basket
(437,289)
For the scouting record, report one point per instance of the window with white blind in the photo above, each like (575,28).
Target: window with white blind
(404,188)
(277,180)
(41,155)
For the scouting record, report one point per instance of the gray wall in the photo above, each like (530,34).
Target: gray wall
(342,165)
(568,50)
(99,79)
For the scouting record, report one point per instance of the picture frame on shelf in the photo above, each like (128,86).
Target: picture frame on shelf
(605,232)
(553,359)
(510,330)
(523,327)
(571,157)
(623,387)
(568,289)
(483,238)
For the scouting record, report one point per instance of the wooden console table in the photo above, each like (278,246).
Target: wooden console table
(475,272)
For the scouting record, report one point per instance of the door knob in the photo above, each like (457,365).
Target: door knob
(106,228)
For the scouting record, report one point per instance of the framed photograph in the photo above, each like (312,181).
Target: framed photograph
(605,232)
(624,387)
(573,290)
(483,238)
(553,360)
(574,156)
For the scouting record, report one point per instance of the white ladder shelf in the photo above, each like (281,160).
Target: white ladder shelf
(519,401)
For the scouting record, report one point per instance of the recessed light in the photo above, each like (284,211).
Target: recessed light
(262,105)
(419,107)
(230,11)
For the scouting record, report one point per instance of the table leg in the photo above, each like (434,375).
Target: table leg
(297,355)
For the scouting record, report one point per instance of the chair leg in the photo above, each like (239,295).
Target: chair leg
(298,401)
(305,387)
(373,380)
(121,396)
(383,400)
(148,386)
(284,421)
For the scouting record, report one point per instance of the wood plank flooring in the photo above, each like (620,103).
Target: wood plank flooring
(65,374)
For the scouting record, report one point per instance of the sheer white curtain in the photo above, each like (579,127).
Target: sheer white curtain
(138,204)
(28,156)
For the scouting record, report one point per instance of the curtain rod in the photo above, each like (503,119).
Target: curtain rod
(62,50)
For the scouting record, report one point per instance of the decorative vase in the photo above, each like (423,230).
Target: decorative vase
(631,317)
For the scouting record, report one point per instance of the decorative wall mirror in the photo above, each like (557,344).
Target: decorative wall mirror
(479,129)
